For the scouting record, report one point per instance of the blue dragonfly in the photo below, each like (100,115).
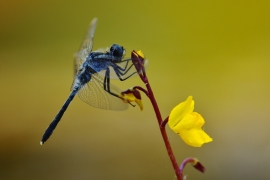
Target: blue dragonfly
(93,71)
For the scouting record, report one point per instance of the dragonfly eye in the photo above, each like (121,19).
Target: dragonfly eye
(117,50)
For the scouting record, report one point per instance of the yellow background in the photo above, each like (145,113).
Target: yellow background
(216,51)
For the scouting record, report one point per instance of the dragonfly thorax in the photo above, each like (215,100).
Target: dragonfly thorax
(99,61)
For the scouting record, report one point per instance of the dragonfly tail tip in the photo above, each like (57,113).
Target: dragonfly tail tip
(41,143)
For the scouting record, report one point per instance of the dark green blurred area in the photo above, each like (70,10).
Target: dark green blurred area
(216,51)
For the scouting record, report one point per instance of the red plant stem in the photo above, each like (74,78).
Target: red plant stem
(163,124)
(177,171)
(195,163)
(184,163)
(141,89)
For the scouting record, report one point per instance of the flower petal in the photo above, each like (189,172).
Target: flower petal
(189,129)
(140,53)
(180,111)
(132,95)
(140,104)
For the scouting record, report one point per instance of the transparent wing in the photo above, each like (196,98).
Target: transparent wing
(86,46)
(94,94)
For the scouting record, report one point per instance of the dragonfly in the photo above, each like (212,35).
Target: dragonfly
(93,70)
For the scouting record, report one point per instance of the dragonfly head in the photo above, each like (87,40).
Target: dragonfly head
(118,52)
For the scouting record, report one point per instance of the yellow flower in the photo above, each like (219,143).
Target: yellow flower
(132,95)
(188,124)
(140,53)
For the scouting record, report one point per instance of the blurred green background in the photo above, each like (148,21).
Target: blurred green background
(216,51)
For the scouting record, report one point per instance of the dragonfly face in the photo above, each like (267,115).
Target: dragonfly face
(118,52)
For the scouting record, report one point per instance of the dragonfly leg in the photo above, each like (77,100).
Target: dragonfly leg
(124,70)
(119,74)
(127,61)
(106,83)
